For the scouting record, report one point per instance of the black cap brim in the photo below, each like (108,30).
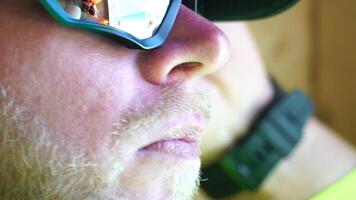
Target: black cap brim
(227,10)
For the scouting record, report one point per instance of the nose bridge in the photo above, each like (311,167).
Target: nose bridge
(194,48)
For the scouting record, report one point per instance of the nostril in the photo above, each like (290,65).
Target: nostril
(188,66)
(186,69)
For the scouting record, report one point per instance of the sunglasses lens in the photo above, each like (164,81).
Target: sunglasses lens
(139,18)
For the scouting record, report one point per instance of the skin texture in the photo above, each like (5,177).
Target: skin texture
(79,108)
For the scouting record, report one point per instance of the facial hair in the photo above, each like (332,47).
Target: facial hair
(34,166)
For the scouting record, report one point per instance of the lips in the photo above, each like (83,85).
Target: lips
(179,140)
(178,148)
(180,143)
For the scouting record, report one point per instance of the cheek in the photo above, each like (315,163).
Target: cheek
(78,82)
(74,106)
(77,91)
(84,104)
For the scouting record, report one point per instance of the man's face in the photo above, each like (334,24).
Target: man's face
(83,117)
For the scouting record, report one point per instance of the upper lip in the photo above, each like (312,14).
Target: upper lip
(188,134)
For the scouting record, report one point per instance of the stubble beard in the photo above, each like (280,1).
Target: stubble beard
(34,166)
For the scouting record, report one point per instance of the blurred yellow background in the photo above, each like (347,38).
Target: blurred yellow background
(313,47)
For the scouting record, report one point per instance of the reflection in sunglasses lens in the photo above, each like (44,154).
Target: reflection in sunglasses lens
(140,18)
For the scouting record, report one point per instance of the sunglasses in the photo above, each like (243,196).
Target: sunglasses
(135,23)
(145,24)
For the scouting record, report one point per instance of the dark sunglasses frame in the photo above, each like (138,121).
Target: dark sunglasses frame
(58,13)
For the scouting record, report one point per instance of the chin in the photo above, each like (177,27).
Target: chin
(160,178)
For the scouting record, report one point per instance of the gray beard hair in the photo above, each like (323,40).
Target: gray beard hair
(32,166)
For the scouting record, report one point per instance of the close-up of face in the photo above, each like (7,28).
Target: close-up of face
(84,117)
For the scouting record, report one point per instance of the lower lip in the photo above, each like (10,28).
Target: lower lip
(174,148)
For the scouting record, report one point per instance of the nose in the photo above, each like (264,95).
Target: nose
(194,48)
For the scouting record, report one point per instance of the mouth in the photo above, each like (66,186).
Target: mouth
(186,147)
(174,148)
(180,139)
